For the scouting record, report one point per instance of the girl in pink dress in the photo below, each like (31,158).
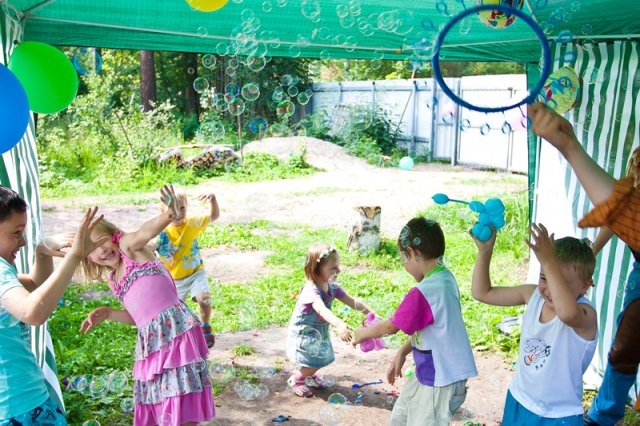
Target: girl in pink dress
(172,385)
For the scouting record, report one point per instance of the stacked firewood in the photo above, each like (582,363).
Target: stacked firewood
(212,156)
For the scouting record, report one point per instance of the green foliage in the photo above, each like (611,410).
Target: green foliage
(105,349)
(364,133)
(260,166)
(243,350)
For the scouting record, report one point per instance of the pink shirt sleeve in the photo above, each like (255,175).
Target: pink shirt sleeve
(413,314)
(338,291)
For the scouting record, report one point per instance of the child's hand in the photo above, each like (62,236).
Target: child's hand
(53,245)
(207,197)
(541,243)
(485,245)
(169,199)
(395,369)
(82,243)
(345,332)
(94,318)
(357,337)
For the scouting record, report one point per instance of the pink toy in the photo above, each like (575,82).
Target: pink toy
(375,343)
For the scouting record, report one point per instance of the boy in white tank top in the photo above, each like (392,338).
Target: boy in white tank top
(559,329)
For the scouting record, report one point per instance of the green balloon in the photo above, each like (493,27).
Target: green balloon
(46,74)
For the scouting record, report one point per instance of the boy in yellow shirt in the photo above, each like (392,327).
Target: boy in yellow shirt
(177,247)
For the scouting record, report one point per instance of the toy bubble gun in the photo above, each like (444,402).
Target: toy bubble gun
(375,343)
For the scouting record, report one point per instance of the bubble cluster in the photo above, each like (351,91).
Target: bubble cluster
(248,391)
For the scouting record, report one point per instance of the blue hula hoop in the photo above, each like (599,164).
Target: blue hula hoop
(546,54)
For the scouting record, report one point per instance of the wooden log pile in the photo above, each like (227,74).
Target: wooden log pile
(212,156)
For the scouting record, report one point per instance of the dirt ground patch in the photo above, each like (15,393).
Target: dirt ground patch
(325,199)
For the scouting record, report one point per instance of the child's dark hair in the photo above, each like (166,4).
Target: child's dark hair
(10,202)
(318,255)
(424,235)
(577,252)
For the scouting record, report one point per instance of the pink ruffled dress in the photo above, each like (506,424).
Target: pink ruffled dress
(172,384)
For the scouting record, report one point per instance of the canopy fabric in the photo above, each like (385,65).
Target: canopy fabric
(368,29)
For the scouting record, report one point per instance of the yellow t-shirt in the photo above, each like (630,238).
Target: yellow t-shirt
(177,246)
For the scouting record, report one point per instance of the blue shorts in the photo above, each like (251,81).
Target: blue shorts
(46,414)
(516,415)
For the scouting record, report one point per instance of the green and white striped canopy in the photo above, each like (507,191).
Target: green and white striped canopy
(319,28)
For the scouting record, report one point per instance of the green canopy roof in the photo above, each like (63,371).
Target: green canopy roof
(390,29)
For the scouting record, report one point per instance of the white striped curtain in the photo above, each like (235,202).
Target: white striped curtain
(606,121)
(19,171)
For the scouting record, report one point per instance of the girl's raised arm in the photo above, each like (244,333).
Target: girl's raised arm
(137,241)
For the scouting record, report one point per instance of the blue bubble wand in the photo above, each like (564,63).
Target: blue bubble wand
(490,213)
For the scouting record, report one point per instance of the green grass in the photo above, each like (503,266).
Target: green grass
(378,279)
(123,182)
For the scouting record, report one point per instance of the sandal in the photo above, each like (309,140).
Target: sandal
(299,388)
(208,336)
(315,382)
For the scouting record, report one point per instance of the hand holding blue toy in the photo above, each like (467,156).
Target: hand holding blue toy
(491,213)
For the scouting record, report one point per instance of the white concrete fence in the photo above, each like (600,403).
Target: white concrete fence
(430,124)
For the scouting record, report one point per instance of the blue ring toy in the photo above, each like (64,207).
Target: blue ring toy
(546,54)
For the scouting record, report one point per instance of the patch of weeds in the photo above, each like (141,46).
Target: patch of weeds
(243,350)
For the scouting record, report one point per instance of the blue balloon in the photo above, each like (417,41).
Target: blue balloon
(481,232)
(476,206)
(14,110)
(406,163)
(494,206)
(440,198)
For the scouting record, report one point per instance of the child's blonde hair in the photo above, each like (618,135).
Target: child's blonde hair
(92,271)
(577,252)
(318,255)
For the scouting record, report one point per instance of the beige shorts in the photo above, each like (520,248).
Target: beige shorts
(196,284)
(420,405)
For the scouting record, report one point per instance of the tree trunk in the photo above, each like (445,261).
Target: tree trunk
(148,90)
(365,231)
(192,98)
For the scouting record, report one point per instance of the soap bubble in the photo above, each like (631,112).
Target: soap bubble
(91,423)
(292,91)
(250,91)
(232,89)
(127,405)
(201,84)
(337,398)
(285,108)
(222,373)
(99,386)
(118,381)
(236,106)
(303,98)
(209,61)
(310,9)
(258,125)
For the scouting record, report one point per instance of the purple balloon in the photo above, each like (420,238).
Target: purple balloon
(14,110)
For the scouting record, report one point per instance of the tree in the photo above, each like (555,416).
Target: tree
(148,91)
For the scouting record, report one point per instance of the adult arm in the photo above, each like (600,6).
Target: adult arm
(556,130)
